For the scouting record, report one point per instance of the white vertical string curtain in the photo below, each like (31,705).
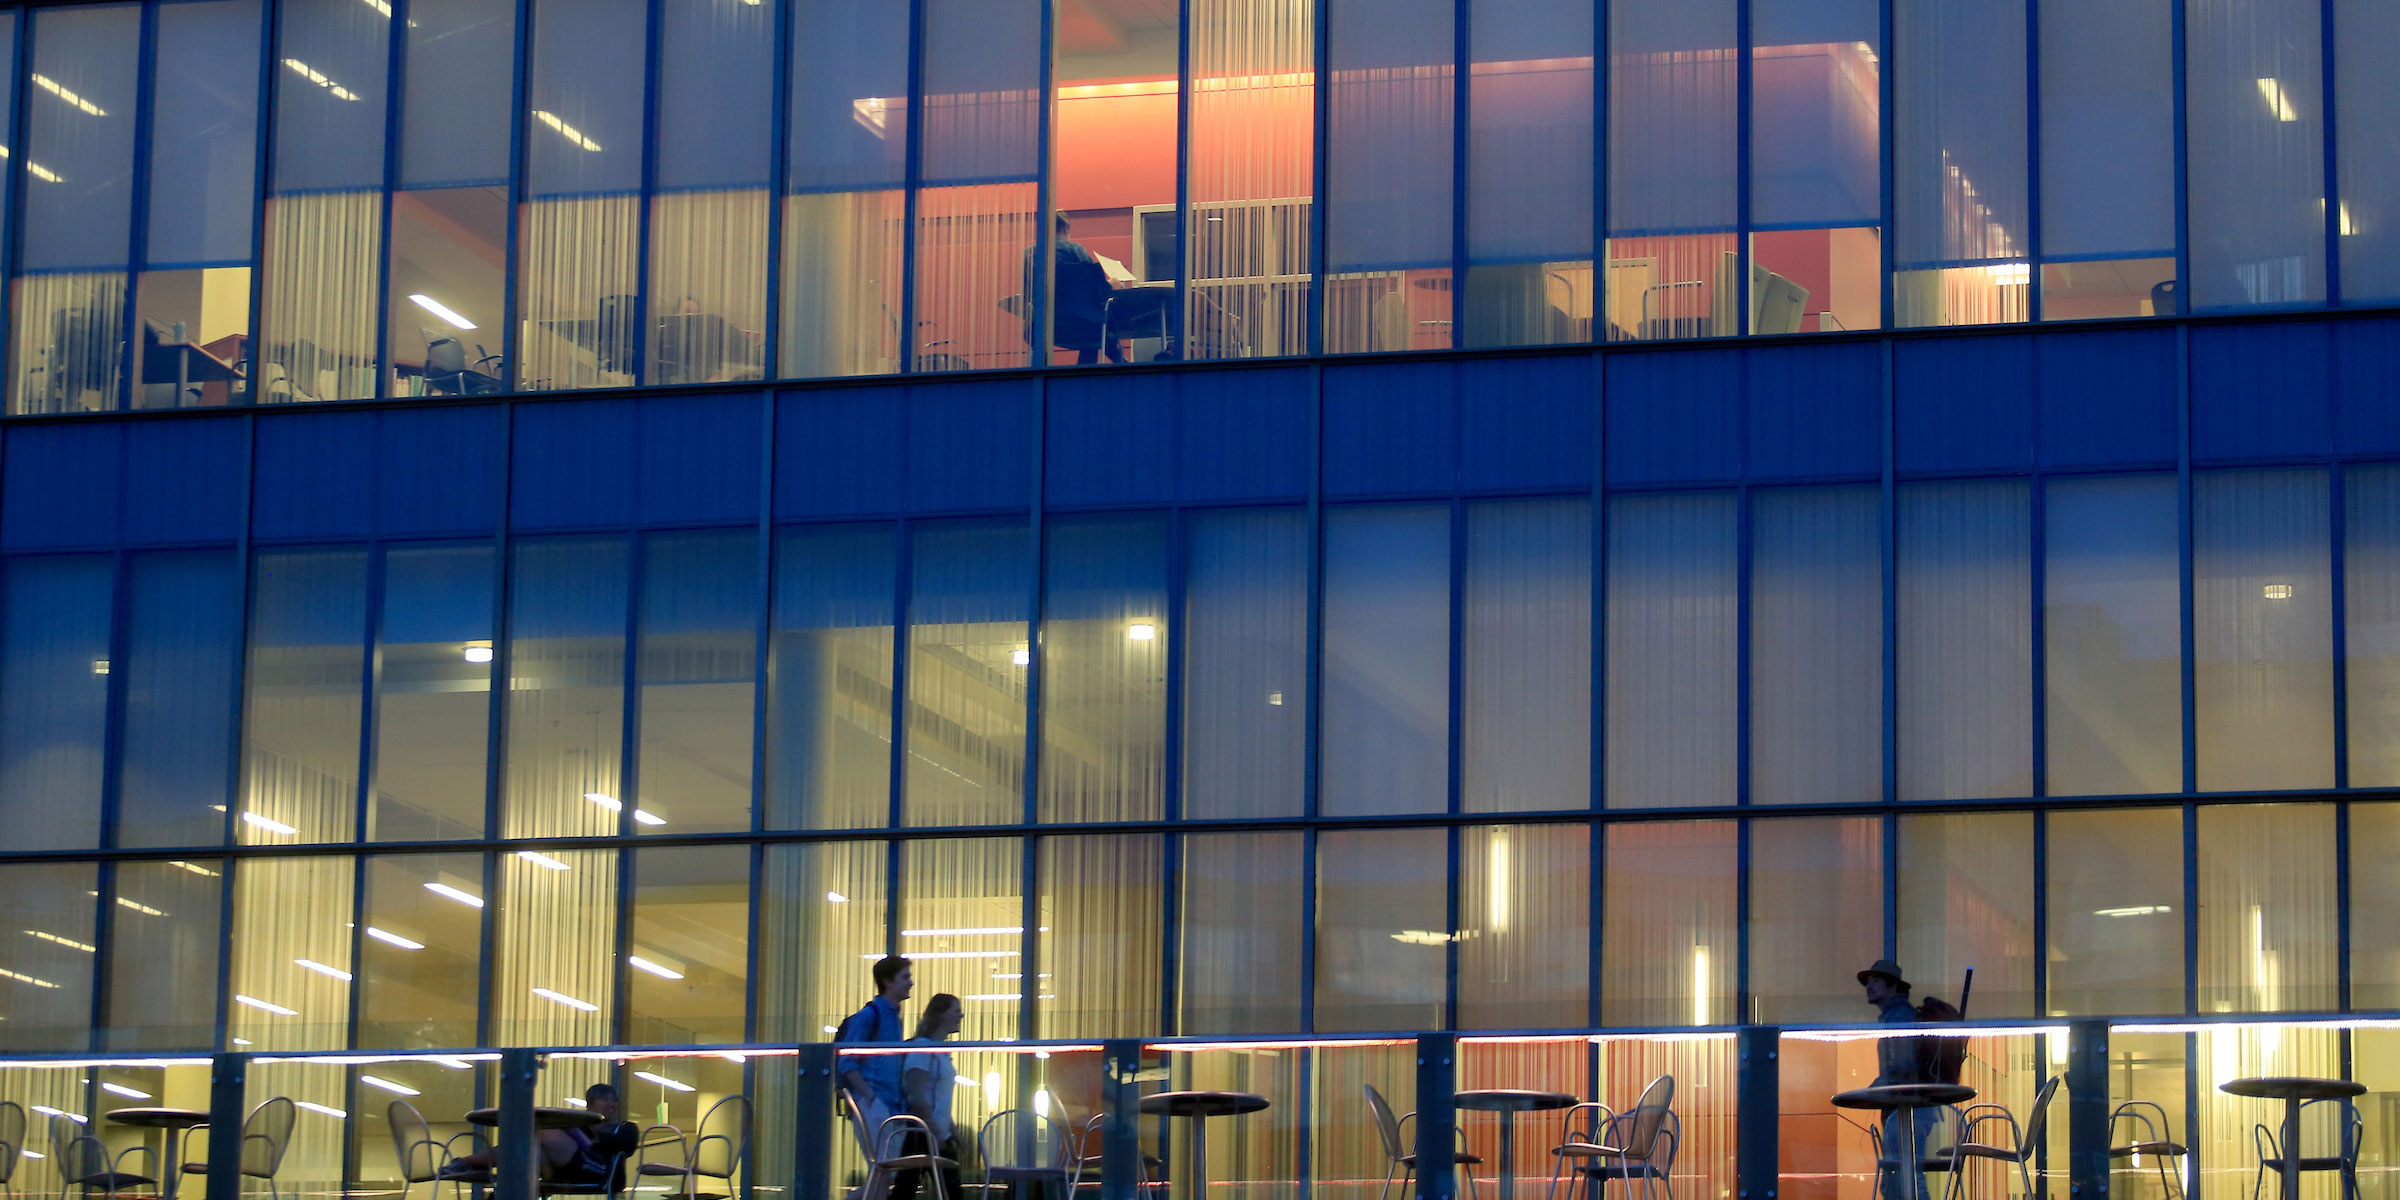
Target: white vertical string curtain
(2267,909)
(2374,945)
(1262,1150)
(1382,932)
(158,963)
(1384,724)
(1239,939)
(691,932)
(566,695)
(2255,151)
(1815,185)
(1816,645)
(2112,625)
(182,650)
(54,618)
(2262,629)
(2371,610)
(1529,173)
(968,653)
(67,351)
(1343,1142)
(433,698)
(1670,950)
(303,698)
(290,975)
(1250,174)
(980,66)
(697,667)
(579,268)
(1966,900)
(829,705)
(843,217)
(1816,915)
(962,920)
(1960,170)
(1673,116)
(1561,1064)
(708,221)
(2116,911)
(2107,152)
(1673,649)
(49,1000)
(1965,639)
(2227,1153)
(1390,116)
(2368,108)
(1245,661)
(554,982)
(1102,926)
(1105,641)
(426,997)
(324,226)
(1524,926)
(1706,1094)
(821,909)
(1526,735)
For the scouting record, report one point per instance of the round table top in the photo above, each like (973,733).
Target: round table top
(1904,1095)
(2292,1087)
(1202,1104)
(1511,1100)
(159,1118)
(543,1118)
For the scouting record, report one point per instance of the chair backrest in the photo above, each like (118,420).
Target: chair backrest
(12,1138)
(1649,1115)
(266,1135)
(445,356)
(1387,1126)
(858,1127)
(76,1154)
(412,1142)
(2330,1125)
(1020,1138)
(2040,1118)
(723,1138)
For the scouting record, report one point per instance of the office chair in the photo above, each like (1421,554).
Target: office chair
(447,373)
(618,333)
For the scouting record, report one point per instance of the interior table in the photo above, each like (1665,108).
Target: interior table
(177,1123)
(1906,1099)
(1199,1107)
(543,1118)
(2294,1091)
(1508,1102)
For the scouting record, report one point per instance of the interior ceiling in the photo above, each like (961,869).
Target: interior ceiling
(1111,26)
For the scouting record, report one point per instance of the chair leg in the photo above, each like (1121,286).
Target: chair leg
(1385,1193)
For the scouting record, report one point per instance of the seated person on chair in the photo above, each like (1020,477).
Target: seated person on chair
(1079,294)
(575,1156)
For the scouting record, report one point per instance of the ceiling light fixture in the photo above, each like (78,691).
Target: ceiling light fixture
(439,309)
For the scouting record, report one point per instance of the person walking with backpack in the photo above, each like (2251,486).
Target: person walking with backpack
(874,1079)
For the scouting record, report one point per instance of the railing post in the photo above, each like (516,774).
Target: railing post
(813,1119)
(1757,1124)
(227,1074)
(2087,1110)
(1121,1126)
(1437,1117)
(514,1173)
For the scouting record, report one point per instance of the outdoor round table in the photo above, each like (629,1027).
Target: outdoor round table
(1199,1107)
(1906,1098)
(176,1122)
(2294,1091)
(543,1118)
(1508,1102)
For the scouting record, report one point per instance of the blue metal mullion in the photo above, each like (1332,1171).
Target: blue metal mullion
(1596,685)
(521,64)
(644,312)
(1308,936)
(1462,103)
(779,151)
(111,792)
(1884,91)
(1888,532)
(395,90)
(1595,939)
(1600,180)
(1745,553)
(1045,199)
(2041,911)
(137,244)
(1183,189)
(1743,1002)
(1036,672)
(2033,198)
(14,185)
(2183,212)
(2342,877)
(248,473)
(270,88)
(1321,101)
(2338,521)
(358,942)
(1890,836)
(2183,552)
(1454,721)
(2191,902)
(104,884)
(1453,841)
(629,786)
(2330,155)
(762,664)
(1744,93)
(370,685)
(911,185)
(502,668)
(904,566)
(1029,977)
(1171,808)
(2038,630)
(1311,746)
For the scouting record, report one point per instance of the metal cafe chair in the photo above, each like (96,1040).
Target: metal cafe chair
(12,1141)
(1021,1146)
(2019,1149)
(720,1142)
(266,1137)
(84,1161)
(885,1146)
(420,1154)
(1395,1147)
(2347,1131)
(1637,1144)
(2150,1137)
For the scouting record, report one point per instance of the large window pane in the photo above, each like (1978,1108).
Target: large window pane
(2254,110)
(420,961)
(304,697)
(566,696)
(976,236)
(962,915)
(820,928)
(1526,736)
(1965,640)
(1674,76)
(46,960)
(2266,908)
(454,99)
(164,980)
(578,250)
(325,215)
(967,659)
(2371,610)
(1105,642)
(195,289)
(433,693)
(708,221)
(1529,173)
(2108,158)
(2115,930)
(77,181)
(1245,662)
(1114,153)
(1966,902)
(1524,926)
(829,706)
(183,650)
(1816,916)
(690,952)
(847,160)
(1816,654)
(1239,950)
(54,680)
(2374,888)
(450,221)
(2262,637)
(698,672)
(557,955)
(1384,736)
(290,975)
(2367,99)
(1961,209)
(1390,116)
(1670,950)
(1102,912)
(1815,112)
(1250,176)
(1382,929)
(1673,649)
(2112,626)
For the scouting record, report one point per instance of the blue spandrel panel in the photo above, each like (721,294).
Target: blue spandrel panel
(439,470)
(1813,411)
(1673,418)
(1525,423)
(1391,429)
(698,459)
(1109,439)
(572,465)
(184,480)
(1244,435)
(2261,391)
(2366,380)
(838,452)
(970,446)
(2106,398)
(315,476)
(60,486)
(1963,404)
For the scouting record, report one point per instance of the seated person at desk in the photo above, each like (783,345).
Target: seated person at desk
(578,1156)
(1079,293)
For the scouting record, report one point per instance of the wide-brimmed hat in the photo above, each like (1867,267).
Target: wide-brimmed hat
(1889,970)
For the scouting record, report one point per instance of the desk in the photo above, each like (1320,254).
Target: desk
(176,1122)
(1906,1098)
(543,1118)
(2294,1091)
(1508,1102)
(1199,1107)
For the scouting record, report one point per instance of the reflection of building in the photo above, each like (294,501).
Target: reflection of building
(1549,677)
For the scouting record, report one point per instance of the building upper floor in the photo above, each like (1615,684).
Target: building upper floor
(265,201)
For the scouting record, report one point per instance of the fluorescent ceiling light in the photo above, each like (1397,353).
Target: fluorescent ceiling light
(565,130)
(836,898)
(387,936)
(456,1064)
(2133,910)
(467,898)
(542,860)
(322,969)
(2270,90)
(389,1086)
(439,309)
(612,804)
(315,1107)
(642,816)
(69,943)
(61,91)
(5,973)
(264,1006)
(319,78)
(923,954)
(1021,657)
(122,1090)
(975,931)
(569,1001)
(270,824)
(1142,632)
(654,968)
(194,868)
(48,1111)
(140,907)
(664,1082)
(477,654)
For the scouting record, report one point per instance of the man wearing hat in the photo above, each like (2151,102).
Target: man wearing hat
(1896,1062)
